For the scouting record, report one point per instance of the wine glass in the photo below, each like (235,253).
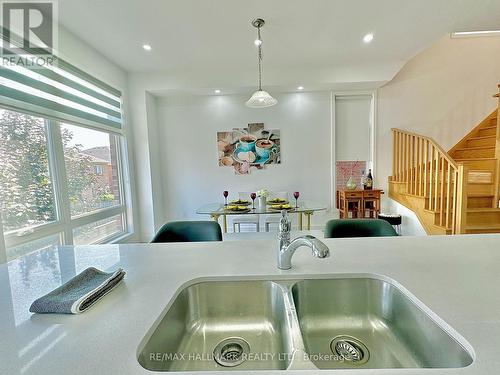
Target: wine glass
(225,194)
(253,196)
(296,195)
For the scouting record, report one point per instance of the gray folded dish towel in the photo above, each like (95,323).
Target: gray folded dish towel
(78,294)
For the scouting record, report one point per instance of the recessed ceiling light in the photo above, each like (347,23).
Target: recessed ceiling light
(257,42)
(217,91)
(300,88)
(368,38)
(146,47)
(465,34)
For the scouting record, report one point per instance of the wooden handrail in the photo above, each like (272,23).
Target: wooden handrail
(429,139)
(428,171)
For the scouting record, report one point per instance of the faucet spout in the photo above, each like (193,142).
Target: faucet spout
(318,249)
(287,249)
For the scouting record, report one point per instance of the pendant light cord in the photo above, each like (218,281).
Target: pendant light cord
(260,58)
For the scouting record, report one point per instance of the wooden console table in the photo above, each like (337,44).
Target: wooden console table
(359,204)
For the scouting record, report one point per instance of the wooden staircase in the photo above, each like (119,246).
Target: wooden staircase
(450,192)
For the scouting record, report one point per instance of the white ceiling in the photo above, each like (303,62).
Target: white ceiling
(321,36)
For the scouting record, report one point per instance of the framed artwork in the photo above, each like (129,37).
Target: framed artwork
(252,147)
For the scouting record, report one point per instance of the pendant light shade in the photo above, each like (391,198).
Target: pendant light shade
(260,98)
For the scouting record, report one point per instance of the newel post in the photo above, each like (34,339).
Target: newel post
(394,157)
(497,154)
(461,203)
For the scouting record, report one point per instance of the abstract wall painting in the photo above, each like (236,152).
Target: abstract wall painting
(252,147)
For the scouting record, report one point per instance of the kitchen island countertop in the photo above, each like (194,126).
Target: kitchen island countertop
(457,277)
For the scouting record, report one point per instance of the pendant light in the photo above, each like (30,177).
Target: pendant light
(260,98)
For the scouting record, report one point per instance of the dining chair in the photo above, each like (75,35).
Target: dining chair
(340,228)
(188,231)
(246,219)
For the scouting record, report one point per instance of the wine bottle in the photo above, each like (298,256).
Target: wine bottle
(368,181)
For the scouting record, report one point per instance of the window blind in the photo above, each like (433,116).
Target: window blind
(60,90)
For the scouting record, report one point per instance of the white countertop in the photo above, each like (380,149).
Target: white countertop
(456,277)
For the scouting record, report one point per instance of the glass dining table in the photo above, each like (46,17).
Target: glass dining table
(217,210)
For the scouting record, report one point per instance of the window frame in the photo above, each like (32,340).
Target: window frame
(64,225)
(3,251)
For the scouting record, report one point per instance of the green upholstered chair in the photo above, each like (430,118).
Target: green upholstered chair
(358,228)
(188,231)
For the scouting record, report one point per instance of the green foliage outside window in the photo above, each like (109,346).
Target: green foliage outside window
(26,189)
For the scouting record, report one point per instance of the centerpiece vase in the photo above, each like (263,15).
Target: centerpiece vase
(261,203)
(350,184)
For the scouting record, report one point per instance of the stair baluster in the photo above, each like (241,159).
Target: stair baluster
(427,171)
(497,154)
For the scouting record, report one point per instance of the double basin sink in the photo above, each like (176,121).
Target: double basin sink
(348,322)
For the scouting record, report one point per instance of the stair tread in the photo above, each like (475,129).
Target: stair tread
(481,195)
(483,137)
(483,209)
(475,159)
(476,148)
(483,226)
(448,229)
(414,195)
(488,127)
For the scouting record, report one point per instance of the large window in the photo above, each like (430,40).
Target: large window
(91,160)
(60,183)
(62,159)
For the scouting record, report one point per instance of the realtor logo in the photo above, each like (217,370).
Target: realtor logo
(28,33)
(28,27)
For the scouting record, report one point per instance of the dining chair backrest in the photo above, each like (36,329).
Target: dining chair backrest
(339,228)
(189,231)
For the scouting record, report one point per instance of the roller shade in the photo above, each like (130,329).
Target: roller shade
(62,91)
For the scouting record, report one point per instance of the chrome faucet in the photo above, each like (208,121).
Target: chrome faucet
(287,248)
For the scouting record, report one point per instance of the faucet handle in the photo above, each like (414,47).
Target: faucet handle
(285,223)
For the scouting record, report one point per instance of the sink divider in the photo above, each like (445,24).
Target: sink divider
(299,360)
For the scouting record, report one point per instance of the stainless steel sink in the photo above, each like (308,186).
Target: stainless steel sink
(343,322)
(373,323)
(222,325)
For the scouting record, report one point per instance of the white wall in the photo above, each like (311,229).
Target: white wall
(77,52)
(148,172)
(190,172)
(155,162)
(443,92)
